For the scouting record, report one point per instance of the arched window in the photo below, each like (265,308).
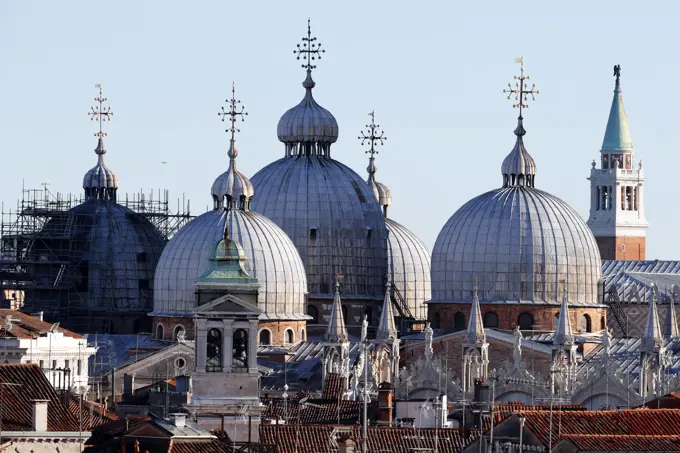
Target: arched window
(214,351)
(159,332)
(314,313)
(586,325)
(344,314)
(290,336)
(603,323)
(525,321)
(459,321)
(265,337)
(240,357)
(178,330)
(437,321)
(490,319)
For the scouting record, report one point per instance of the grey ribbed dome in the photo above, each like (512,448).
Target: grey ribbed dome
(308,128)
(521,243)
(271,257)
(333,219)
(100,182)
(409,267)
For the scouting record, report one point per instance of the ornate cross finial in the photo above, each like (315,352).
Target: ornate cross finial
(233,112)
(371,137)
(310,49)
(100,112)
(617,72)
(521,91)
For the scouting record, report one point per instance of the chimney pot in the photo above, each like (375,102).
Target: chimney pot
(179,420)
(40,415)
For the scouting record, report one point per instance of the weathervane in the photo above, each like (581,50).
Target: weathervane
(233,112)
(371,137)
(100,112)
(310,48)
(521,90)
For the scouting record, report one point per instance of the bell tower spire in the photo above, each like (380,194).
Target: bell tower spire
(617,214)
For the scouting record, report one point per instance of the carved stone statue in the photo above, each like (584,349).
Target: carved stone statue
(428,333)
(617,71)
(364,328)
(517,353)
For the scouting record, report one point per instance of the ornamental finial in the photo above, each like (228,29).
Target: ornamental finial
(309,49)
(521,90)
(233,112)
(370,136)
(100,112)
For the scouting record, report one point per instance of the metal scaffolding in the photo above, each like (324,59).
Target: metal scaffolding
(86,264)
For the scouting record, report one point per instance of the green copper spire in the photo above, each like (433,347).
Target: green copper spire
(617,135)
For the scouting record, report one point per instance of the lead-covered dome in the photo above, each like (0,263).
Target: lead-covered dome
(100,182)
(524,245)
(271,258)
(332,218)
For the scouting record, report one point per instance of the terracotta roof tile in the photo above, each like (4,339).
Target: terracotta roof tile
(27,326)
(315,438)
(18,400)
(333,387)
(93,414)
(318,411)
(644,422)
(637,443)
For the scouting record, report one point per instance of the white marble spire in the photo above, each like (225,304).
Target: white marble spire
(564,335)
(617,135)
(336,331)
(475,331)
(387,329)
(670,329)
(652,337)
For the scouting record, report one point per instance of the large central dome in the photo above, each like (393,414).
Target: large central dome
(325,207)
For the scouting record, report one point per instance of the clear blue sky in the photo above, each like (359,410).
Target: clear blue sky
(433,72)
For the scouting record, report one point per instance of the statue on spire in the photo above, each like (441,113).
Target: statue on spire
(100,112)
(617,72)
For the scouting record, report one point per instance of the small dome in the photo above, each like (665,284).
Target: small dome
(519,168)
(523,245)
(100,182)
(232,188)
(409,267)
(308,125)
(271,258)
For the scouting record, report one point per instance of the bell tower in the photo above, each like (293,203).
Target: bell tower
(617,209)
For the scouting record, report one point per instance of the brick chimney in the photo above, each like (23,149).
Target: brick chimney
(40,415)
(385,403)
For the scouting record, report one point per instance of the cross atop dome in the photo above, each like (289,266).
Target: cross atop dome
(310,49)
(521,90)
(233,113)
(381,192)
(100,112)
(370,136)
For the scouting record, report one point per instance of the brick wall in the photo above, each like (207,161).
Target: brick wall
(622,248)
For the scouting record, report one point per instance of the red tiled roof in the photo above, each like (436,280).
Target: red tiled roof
(315,438)
(18,400)
(27,326)
(332,387)
(637,443)
(93,414)
(644,422)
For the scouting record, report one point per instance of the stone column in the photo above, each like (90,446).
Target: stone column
(252,347)
(227,345)
(200,345)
